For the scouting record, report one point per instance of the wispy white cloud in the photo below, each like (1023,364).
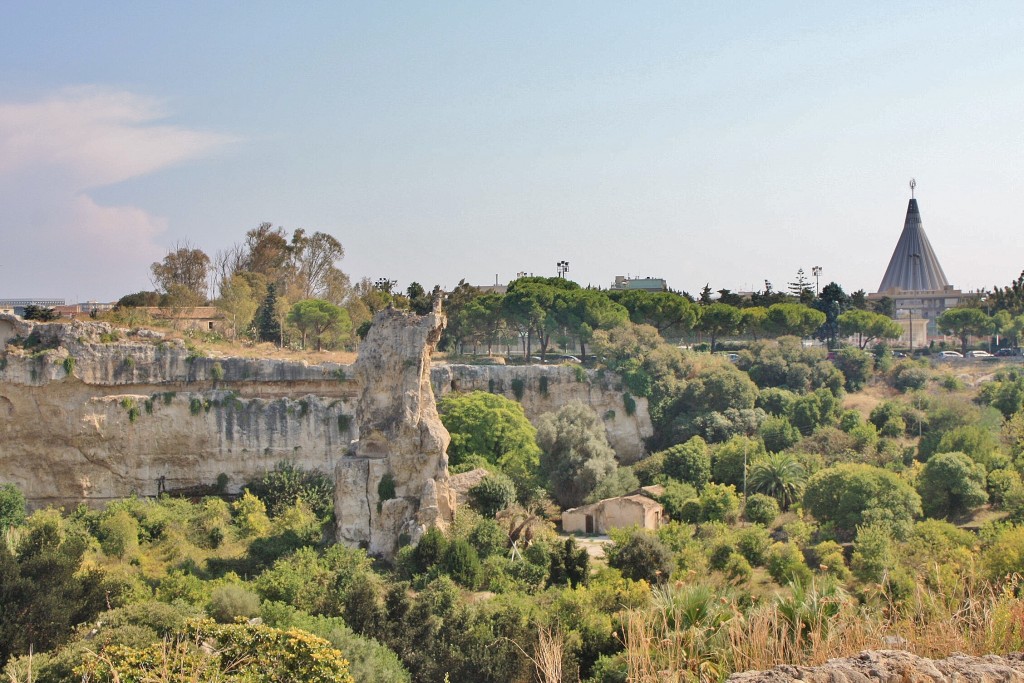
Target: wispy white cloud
(53,151)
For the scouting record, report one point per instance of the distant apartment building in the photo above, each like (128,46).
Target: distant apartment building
(643,284)
(18,306)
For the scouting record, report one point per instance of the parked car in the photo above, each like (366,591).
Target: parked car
(949,355)
(1005,353)
(979,354)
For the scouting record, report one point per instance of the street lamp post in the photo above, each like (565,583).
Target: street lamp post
(563,268)
(816,271)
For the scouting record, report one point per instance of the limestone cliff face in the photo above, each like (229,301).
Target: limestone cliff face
(394,483)
(896,666)
(90,413)
(546,388)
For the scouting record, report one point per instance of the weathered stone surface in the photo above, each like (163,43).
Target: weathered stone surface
(546,388)
(896,666)
(461,483)
(398,470)
(113,427)
(89,413)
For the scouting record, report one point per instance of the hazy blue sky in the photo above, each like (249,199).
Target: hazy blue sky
(700,142)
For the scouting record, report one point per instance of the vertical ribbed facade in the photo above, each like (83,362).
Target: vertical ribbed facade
(913,266)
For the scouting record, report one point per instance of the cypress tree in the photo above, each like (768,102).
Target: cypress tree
(268,327)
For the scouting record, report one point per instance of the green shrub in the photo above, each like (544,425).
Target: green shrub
(830,559)
(494,493)
(785,564)
(217,372)
(753,543)
(488,538)
(629,404)
(280,488)
(639,554)
(461,562)
(543,386)
(720,555)
(852,494)
(428,551)
(689,462)
(231,601)
(69,365)
(738,569)
(119,534)
(778,434)
(761,509)
(570,565)
(12,506)
(872,553)
(650,470)
(719,503)
(675,498)
(951,484)
(909,376)
(1001,484)
(385,490)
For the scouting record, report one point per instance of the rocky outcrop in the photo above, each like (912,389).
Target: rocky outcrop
(89,412)
(896,666)
(393,485)
(546,388)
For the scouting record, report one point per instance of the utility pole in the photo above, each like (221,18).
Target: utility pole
(816,272)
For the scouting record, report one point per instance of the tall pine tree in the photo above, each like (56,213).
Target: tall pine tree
(268,327)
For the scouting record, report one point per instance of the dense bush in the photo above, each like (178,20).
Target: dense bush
(850,495)
(951,484)
(575,453)
(640,555)
(761,509)
(286,483)
(689,462)
(494,428)
(12,506)
(494,493)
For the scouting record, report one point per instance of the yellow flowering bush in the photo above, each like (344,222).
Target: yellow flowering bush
(206,652)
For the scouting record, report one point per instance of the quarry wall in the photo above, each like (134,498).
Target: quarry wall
(546,388)
(89,412)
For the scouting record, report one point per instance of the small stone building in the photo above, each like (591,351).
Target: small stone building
(613,513)
(197,318)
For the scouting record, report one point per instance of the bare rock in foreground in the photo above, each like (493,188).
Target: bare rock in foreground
(896,666)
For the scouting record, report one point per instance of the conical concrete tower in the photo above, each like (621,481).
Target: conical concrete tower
(914,286)
(913,266)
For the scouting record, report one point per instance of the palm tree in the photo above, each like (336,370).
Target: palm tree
(779,475)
